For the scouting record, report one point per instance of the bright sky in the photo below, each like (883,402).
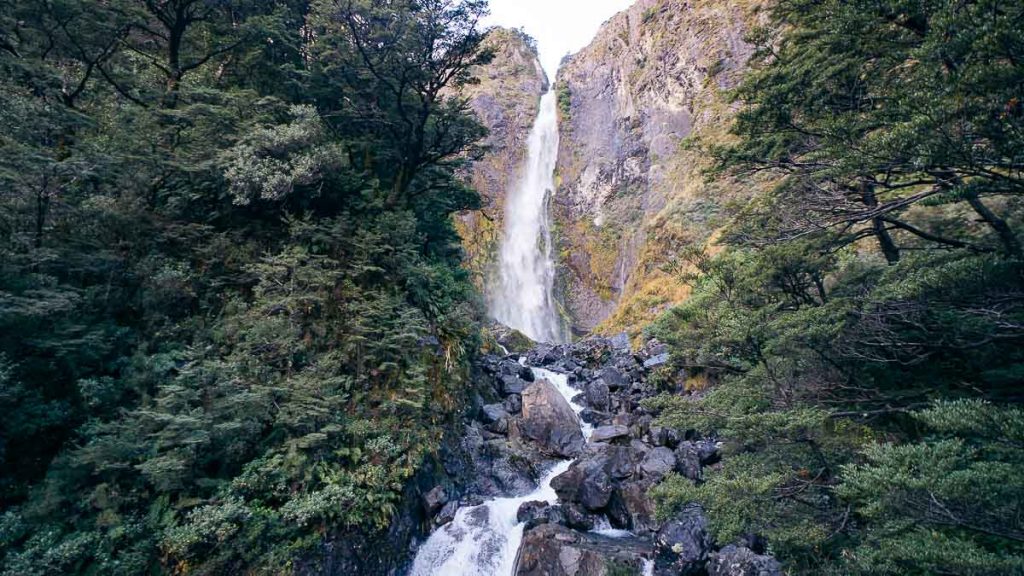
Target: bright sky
(560,26)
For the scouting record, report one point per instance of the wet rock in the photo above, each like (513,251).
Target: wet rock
(658,462)
(447,514)
(597,395)
(553,550)
(576,516)
(548,420)
(587,482)
(738,561)
(434,500)
(685,542)
(526,373)
(609,433)
(536,512)
(493,466)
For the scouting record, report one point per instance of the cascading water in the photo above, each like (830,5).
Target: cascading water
(523,296)
(485,539)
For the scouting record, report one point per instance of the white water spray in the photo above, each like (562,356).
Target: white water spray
(523,297)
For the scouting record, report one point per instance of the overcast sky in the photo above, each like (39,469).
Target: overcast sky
(560,26)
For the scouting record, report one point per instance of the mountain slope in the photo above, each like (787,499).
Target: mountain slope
(630,190)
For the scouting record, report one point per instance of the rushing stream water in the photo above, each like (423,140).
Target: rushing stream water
(485,539)
(523,295)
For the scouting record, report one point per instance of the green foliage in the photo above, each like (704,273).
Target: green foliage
(816,358)
(226,280)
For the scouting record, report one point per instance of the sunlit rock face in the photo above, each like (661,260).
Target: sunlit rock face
(629,192)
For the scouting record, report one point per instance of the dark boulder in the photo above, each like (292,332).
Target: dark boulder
(658,462)
(597,395)
(738,561)
(536,512)
(433,500)
(688,461)
(511,384)
(684,541)
(614,378)
(513,403)
(629,508)
(548,420)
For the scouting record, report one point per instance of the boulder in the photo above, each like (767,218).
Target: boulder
(434,499)
(536,512)
(658,462)
(630,509)
(511,384)
(620,342)
(513,403)
(554,550)
(609,433)
(685,541)
(447,513)
(548,420)
(739,561)
(597,395)
(577,517)
(614,378)
(590,480)
(688,460)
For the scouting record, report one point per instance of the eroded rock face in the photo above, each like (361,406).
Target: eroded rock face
(548,420)
(654,75)
(554,550)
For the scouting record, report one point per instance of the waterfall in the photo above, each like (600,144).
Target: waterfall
(523,296)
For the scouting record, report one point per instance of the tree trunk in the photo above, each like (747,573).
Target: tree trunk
(885,242)
(1002,229)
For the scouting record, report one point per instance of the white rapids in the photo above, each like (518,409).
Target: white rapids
(522,295)
(485,539)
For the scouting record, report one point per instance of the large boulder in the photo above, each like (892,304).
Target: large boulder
(657,463)
(554,550)
(684,542)
(548,420)
(739,561)
(590,480)
(629,508)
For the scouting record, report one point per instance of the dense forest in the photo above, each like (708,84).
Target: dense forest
(863,329)
(231,309)
(234,319)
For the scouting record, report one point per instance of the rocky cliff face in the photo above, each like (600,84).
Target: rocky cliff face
(505,99)
(630,190)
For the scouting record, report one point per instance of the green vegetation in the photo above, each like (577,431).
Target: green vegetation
(862,330)
(232,318)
